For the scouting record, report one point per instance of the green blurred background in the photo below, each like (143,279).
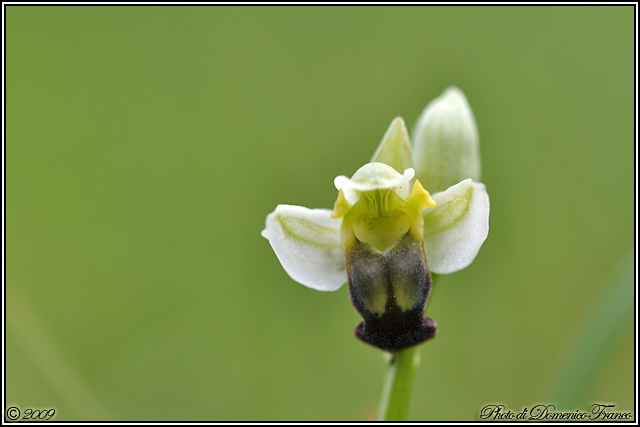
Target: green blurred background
(146,145)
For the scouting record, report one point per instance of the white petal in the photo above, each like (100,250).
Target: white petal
(374,176)
(456,227)
(307,243)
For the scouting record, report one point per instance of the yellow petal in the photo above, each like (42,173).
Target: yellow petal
(341,206)
(420,197)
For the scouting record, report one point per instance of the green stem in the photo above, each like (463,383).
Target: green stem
(398,385)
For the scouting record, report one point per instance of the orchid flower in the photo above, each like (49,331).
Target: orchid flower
(385,227)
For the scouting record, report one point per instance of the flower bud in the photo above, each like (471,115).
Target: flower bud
(445,142)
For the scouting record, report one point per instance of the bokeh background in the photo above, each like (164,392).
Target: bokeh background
(146,145)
